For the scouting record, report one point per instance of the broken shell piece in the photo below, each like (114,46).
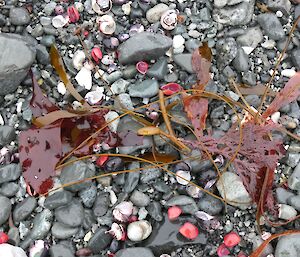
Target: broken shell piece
(61,88)
(101,6)
(37,249)
(96,54)
(73,14)
(142,67)
(183,174)
(94,97)
(139,230)
(107,24)
(112,119)
(59,21)
(8,250)
(84,78)
(122,211)
(78,59)
(168,19)
(117,231)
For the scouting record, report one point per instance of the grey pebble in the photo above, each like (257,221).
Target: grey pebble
(58,199)
(294,179)
(7,134)
(135,252)
(241,62)
(187,204)
(139,198)
(123,101)
(42,223)
(49,8)
(295,55)
(60,250)
(280,5)
(249,78)
(159,69)
(257,241)
(9,189)
(155,211)
(184,61)
(288,246)
(88,196)
(292,158)
(9,172)
(100,240)
(210,204)
(150,174)
(132,178)
(227,51)
(42,54)
(119,86)
(101,204)
(144,46)
(283,195)
(62,231)
(71,215)
(251,38)
(144,89)
(5,209)
(37,31)
(271,25)
(294,201)
(47,40)
(23,209)
(153,14)
(19,16)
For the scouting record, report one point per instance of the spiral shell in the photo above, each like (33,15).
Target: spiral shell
(101,6)
(168,19)
(107,24)
(139,230)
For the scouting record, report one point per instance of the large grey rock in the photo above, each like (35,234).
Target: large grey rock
(16,57)
(100,240)
(24,209)
(144,89)
(71,215)
(58,199)
(144,46)
(239,14)
(19,16)
(5,209)
(135,252)
(7,134)
(288,246)
(9,172)
(232,186)
(271,26)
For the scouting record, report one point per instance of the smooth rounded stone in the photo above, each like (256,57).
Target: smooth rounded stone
(24,209)
(19,16)
(239,14)
(132,178)
(150,174)
(283,195)
(9,189)
(286,212)
(241,62)
(17,57)
(88,196)
(294,201)
(77,172)
(60,250)
(295,56)
(47,40)
(236,194)
(144,46)
(100,240)
(257,241)
(61,231)
(280,5)
(130,71)
(251,38)
(135,252)
(89,219)
(144,89)
(49,8)
(249,78)
(210,204)
(37,31)
(294,179)
(139,199)
(187,204)
(2,20)
(58,199)
(119,86)
(184,61)
(42,54)
(155,212)
(71,215)
(5,209)
(42,223)
(271,25)
(293,158)
(9,172)
(101,204)
(159,69)
(123,101)
(288,246)
(194,164)
(7,134)
(153,14)
(227,51)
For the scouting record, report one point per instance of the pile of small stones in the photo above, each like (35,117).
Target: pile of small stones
(139,46)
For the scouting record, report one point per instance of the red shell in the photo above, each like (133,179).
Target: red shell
(222,250)
(232,239)
(101,160)
(142,67)
(174,212)
(171,88)
(189,231)
(73,14)
(97,54)
(3,238)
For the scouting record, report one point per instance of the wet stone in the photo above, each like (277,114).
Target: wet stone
(19,16)
(60,250)
(5,209)
(184,61)
(7,134)
(283,195)
(100,240)
(101,204)
(288,246)
(131,181)
(159,69)
(135,252)
(58,199)
(71,215)
(42,223)
(9,189)
(23,209)
(9,172)
(241,62)
(61,231)
(187,204)
(144,89)
(139,199)
(210,204)
(271,26)
(155,211)
(88,196)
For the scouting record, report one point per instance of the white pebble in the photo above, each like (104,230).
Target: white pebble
(184,174)
(139,230)
(84,78)
(275,117)
(111,115)
(61,88)
(194,33)
(269,44)
(248,49)
(95,97)
(288,73)
(178,41)
(286,212)
(279,14)
(78,59)
(126,8)
(7,250)
(59,21)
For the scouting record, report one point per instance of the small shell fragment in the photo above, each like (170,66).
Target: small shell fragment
(96,54)
(73,14)
(183,177)
(142,67)
(78,59)
(84,78)
(101,6)
(168,19)
(94,97)
(61,88)
(59,21)
(112,118)
(107,24)
(123,211)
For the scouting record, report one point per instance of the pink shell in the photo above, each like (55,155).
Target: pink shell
(142,67)
(232,239)
(96,54)
(222,250)
(73,14)
(171,88)
(174,212)
(189,231)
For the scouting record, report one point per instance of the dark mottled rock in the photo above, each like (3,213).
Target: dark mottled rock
(271,26)
(101,204)
(9,172)
(24,209)
(7,134)
(71,215)
(100,240)
(61,231)
(144,46)
(58,199)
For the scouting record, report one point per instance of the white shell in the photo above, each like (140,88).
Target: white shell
(111,115)
(107,24)
(84,78)
(178,41)
(78,59)
(94,97)
(37,248)
(184,174)
(168,19)
(117,231)
(97,8)
(8,250)
(59,21)
(288,73)
(126,8)
(122,211)
(61,88)
(139,230)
